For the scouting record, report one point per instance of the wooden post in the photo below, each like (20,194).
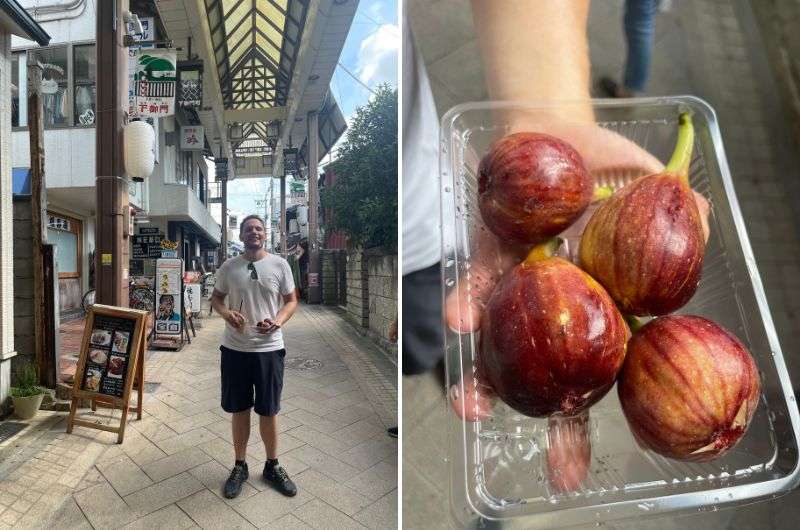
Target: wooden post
(223,255)
(112,255)
(44,364)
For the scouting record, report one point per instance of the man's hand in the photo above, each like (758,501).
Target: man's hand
(235,319)
(268,326)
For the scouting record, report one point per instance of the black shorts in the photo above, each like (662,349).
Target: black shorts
(423,334)
(246,372)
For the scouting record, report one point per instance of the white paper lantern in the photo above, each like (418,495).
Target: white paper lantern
(139,141)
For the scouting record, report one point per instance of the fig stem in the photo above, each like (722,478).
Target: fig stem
(634,323)
(682,156)
(602,193)
(544,250)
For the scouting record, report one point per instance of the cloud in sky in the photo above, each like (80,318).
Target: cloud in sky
(377,56)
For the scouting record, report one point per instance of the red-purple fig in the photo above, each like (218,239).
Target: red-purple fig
(645,244)
(531,187)
(688,388)
(552,340)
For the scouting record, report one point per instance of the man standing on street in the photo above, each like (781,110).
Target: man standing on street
(252,348)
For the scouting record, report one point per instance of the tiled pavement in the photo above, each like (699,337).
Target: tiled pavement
(169,471)
(709,48)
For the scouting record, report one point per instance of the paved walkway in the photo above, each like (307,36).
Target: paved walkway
(340,395)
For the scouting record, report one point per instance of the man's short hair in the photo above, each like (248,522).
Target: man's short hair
(252,216)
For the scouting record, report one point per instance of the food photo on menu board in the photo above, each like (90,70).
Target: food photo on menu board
(98,356)
(108,355)
(101,337)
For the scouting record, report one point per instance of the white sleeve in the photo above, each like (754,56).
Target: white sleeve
(221,279)
(287,282)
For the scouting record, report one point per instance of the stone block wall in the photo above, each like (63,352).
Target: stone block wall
(332,263)
(24,341)
(357,289)
(382,286)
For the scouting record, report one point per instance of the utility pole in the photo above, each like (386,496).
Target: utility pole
(314,287)
(44,364)
(112,255)
(283,215)
(224,251)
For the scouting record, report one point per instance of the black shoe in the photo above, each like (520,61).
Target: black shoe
(233,486)
(278,477)
(392,432)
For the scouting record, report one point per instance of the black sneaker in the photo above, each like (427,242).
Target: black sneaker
(392,432)
(278,477)
(233,486)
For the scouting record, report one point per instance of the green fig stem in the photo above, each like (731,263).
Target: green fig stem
(634,323)
(602,193)
(682,156)
(544,250)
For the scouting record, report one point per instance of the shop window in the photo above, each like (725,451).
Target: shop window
(65,233)
(55,85)
(19,90)
(84,75)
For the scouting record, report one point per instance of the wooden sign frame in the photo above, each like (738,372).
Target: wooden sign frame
(134,370)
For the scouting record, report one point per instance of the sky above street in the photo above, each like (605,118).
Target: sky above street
(370,53)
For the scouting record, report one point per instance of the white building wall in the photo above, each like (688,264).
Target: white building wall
(6,220)
(69,156)
(76,25)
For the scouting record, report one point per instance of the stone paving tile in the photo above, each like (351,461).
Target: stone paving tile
(154,429)
(358,432)
(168,518)
(321,516)
(381,514)
(288,522)
(103,507)
(333,492)
(142,450)
(208,511)
(164,493)
(376,481)
(70,517)
(184,441)
(269,505)
(370,452)
(314,421)
(172,465)
(322,462)
(316,439)
(124,475)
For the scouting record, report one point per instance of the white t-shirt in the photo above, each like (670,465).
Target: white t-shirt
(422,245)
(258,299)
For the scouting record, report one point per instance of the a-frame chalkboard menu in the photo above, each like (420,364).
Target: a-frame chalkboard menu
(111,358)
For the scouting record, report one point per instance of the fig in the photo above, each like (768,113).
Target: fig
(531,187)
(688,388)
(645,244)
(552,340)
(569,451)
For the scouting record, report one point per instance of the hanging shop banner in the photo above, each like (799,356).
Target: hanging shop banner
(153,82)
(169,297)
(192,137)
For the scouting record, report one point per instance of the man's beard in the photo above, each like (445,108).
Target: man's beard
(249,245)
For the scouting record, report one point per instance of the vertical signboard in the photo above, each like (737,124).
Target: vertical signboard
(169,296)
(153,74)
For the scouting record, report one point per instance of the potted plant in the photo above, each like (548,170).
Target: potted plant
(27,396)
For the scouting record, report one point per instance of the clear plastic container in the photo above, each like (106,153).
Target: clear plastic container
(498,467)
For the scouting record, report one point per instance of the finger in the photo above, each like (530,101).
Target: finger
(472,403)
(705,211)
(490,259)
